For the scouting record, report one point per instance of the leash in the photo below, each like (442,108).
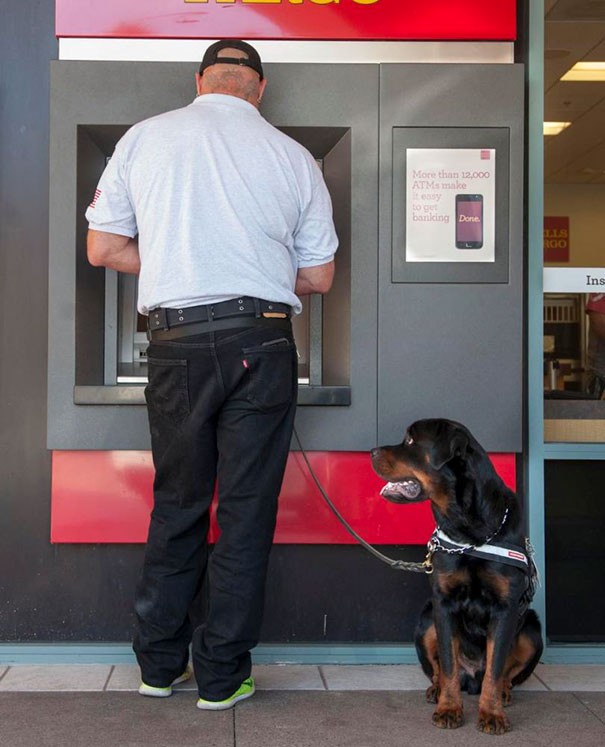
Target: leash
(397,565)
(436,543)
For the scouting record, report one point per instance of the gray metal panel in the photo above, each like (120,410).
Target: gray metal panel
(346,96)
(452,350)
(91,93)
(121,93)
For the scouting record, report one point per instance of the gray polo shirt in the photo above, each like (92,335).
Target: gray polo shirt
(223,203)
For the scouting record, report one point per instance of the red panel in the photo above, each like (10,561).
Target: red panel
(101,496)
(106,496)
(289,19)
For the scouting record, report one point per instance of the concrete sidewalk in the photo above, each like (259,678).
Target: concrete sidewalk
(295,706)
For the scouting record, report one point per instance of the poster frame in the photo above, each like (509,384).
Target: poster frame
(496,138)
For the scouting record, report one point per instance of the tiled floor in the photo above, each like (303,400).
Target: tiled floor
(125,678)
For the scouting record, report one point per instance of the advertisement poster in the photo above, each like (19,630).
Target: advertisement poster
(450,204)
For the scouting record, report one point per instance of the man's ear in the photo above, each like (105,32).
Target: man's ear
(261,89)
(448,448)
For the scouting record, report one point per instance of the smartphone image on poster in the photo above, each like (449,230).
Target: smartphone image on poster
(469,221)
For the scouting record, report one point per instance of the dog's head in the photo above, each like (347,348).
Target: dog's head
(427,463)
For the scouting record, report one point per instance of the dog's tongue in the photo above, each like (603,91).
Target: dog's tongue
(409,489)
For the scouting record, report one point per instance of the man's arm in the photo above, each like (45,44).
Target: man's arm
(316,279)
(113,251)
(597,324)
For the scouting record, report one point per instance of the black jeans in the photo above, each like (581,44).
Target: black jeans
(221,409)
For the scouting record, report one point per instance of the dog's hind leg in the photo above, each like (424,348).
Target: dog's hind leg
(428,652)
(524,655)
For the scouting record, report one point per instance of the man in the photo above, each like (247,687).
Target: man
(227,221)
(595,354)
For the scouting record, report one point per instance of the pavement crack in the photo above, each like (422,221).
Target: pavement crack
(588,708)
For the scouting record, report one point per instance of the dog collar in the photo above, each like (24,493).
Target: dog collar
(510,554)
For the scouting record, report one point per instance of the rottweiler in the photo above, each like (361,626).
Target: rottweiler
(477,632)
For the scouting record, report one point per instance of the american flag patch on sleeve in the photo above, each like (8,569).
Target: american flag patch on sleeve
(95,198)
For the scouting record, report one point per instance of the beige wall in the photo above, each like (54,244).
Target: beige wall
(585,206)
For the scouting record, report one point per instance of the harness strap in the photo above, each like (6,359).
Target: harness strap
(504,553)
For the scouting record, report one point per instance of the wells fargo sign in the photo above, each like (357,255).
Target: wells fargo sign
(453,20)
(556,238)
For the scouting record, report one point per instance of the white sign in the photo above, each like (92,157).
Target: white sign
(574,279)
(450,205)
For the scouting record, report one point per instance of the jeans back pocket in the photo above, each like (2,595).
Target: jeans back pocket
(167,393)
(272,373)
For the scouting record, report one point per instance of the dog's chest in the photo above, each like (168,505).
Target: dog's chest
(470,587)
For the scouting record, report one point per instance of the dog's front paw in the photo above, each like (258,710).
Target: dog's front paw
(448,718)
(432,694)
(493,723)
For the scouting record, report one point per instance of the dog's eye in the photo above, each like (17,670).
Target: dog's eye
(408,441)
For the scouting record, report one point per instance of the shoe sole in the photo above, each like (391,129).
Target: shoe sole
(164,692)
(155,692)
(222,705)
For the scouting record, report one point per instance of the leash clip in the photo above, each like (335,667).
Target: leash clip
(428,561)
(431,547)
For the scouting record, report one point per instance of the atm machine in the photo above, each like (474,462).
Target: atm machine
(395,340)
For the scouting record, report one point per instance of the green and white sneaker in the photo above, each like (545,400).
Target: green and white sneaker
(245,690)
(165,692)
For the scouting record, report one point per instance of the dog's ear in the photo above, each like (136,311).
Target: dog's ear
(448,447)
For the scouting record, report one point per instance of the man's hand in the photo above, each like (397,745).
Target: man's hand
(316,279)
(113,251)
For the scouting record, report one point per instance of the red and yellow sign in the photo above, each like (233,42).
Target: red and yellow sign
(443,20)
(556,238)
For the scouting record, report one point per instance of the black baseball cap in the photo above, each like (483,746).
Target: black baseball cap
(211,55)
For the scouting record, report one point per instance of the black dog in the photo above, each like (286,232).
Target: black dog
(477,633)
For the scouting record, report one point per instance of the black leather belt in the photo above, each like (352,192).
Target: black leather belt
(170,324)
